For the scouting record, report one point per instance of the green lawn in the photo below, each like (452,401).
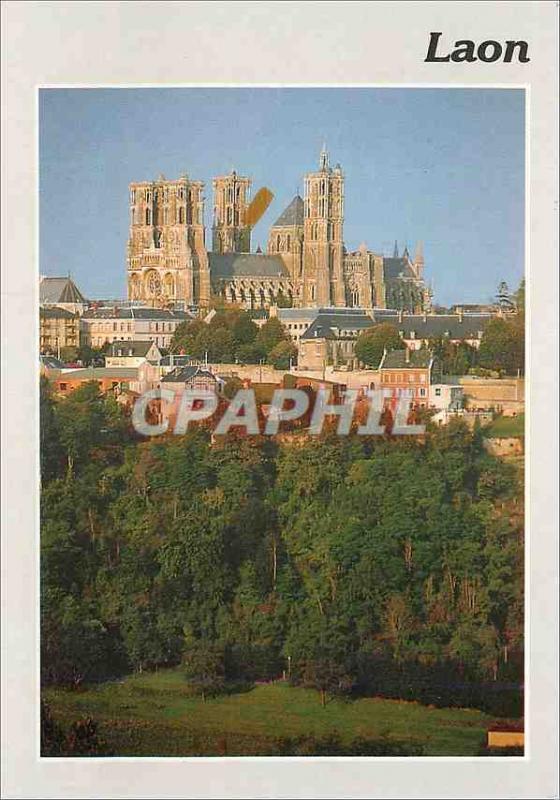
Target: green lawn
(156,715)
(504,427)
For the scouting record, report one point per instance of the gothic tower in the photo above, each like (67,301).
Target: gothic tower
(323,283)
(230,233)
(167,260)
(286,239)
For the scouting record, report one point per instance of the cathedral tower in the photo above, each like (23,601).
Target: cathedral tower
(286,239)
(323,283)
(167,260)
(230,232)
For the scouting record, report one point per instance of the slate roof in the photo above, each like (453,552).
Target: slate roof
(54,312)
(326,325)
(396,359)
(292,215)
(133,348)
(435,326)
(59,290)
(185,374)
(250,265)
(124,312)
(393,267)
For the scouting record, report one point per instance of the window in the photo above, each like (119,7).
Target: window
(63,387)
(422,378)
(181,216)
(165,216)
(422,393)
(438,392)
(278,243)
(148,216)
(133,196)
(288,243)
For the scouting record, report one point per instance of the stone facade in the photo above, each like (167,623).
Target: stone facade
(306,264)
(167,259)
(58,328)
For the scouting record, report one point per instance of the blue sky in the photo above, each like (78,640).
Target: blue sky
(444,166)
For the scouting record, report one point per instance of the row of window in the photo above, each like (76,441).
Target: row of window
(411,377)
(148,195)
(183,215)
(129,326)
(403,393)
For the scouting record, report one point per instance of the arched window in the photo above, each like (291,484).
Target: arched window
(181,215)
(229,216)
(132,216)
(288,242)
(148,216)
(278,243)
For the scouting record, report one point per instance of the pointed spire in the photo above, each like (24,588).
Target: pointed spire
(405,253)
(324,157)
(396,250)
(419,253)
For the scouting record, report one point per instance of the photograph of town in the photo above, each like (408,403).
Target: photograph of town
(282,448)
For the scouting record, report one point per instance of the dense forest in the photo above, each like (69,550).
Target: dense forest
(359,565)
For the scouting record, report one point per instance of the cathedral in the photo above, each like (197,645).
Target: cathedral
(306,263)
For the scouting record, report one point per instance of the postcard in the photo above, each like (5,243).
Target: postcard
(278,450)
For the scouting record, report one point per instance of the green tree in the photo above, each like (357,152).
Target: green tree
(271,334)
(503,346)
(244,329)
(203,665)
(282,355)
(371,343)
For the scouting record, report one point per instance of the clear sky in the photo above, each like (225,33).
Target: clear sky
(444,166)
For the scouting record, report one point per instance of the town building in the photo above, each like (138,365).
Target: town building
(418,329)
(105,324)
(109,379)
(306,264)
(132,353)
(192,377)
(58,328)
(408,374)
(62,293)
(331,338)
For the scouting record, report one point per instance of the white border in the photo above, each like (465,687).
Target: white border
(38,54)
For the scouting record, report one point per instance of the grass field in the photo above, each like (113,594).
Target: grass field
(504,427)
(155,714)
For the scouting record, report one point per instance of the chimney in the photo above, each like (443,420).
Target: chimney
(407,356)
(400,315)
(460,313)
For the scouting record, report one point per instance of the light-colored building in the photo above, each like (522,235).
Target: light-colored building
(58,328)
(107,324)
(62,293)
(446,396)
(132,354)
(306,263)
